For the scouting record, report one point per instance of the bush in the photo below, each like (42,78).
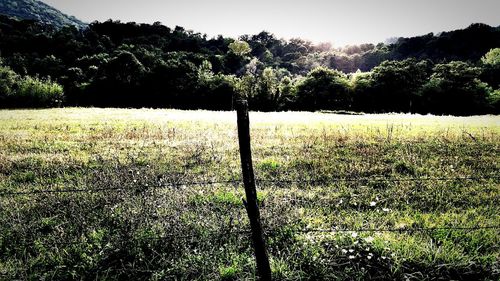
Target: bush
(36,92)
(28,92)
(8,79)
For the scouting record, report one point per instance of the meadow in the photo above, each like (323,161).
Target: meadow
(142,194)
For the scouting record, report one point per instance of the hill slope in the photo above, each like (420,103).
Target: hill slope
(39,11)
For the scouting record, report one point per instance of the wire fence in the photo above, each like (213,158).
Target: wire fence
(268,181)
(237,182)
(295,231)
(239,231)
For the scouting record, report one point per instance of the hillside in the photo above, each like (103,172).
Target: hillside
(39,11)
(470,43)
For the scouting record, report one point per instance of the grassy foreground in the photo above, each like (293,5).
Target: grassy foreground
(146,219)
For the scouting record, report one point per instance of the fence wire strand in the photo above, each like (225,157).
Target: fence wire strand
(279,181)
(269,233)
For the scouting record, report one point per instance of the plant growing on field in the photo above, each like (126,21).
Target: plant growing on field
(36,92)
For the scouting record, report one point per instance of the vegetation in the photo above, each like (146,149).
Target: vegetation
(144,221)
(38,11)
(29,91)
(141,65)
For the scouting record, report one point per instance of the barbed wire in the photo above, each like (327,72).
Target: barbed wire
(378,179)
(94,190)
(239,181)
(296,231)
(400,230)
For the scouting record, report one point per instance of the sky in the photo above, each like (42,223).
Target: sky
(338,22)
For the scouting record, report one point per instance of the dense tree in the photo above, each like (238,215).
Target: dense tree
(134,65)
(395,85)
(324,89)
(491,68)
(266,93)
(454,88)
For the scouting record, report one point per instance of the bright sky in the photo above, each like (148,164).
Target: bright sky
(336,21)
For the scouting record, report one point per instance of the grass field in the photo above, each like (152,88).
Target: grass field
(122,194)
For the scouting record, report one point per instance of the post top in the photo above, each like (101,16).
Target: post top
(241,102)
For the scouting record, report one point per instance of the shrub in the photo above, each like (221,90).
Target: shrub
(8,80)
(19,91)
(36,92)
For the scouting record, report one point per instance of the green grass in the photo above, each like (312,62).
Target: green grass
(153,227)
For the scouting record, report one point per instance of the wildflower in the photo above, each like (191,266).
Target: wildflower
(344,251)
(373,203)
(386,209)
(354,234)
(351,251)
(369,239)
(351,257)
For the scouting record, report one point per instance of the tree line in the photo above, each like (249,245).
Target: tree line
(114,64)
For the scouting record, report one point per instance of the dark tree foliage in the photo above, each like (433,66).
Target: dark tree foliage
(395,86)
(454,88)
(468,44)
(150,65)
(324,89)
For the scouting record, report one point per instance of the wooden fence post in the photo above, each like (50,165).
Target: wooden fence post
(263,267)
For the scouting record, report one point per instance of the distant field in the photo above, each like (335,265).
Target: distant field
(115,194)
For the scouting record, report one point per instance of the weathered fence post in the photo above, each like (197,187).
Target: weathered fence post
(263,267)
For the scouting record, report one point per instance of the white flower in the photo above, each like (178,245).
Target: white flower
(369,257)
(351,257)
(344,251)
(386,209)
(369,239)
(351,250)
(373,203)
(354,234)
